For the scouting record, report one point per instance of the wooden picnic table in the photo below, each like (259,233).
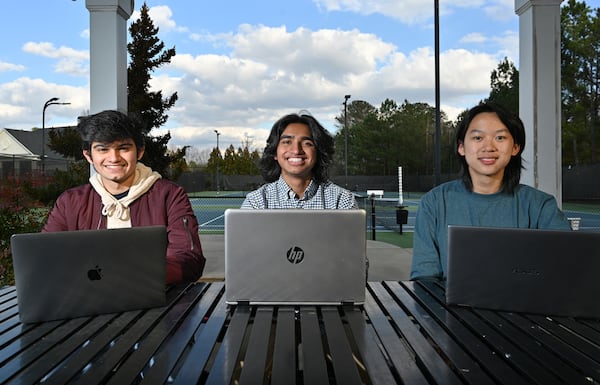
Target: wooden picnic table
(404,334)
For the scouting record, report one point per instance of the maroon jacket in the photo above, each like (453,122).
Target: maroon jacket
(166,203)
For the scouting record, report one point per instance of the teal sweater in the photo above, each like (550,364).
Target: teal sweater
(452,204)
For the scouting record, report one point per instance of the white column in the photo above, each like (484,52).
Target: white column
(108,53)
(539,93)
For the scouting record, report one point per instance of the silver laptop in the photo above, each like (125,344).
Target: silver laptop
(548,272)
(295,256)
(70,274)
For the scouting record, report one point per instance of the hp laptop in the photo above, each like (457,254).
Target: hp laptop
(295,256)
(548,272)
(79,273)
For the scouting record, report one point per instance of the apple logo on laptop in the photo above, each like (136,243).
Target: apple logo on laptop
(95,274)
(295,255)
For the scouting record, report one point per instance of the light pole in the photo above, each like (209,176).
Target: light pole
(218,159)
(49,102)
(437,163)
(346,97)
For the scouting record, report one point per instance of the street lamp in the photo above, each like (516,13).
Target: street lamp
(49,102)
(218,158)
(437,162)
(346,97)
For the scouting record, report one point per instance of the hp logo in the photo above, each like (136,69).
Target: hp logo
(295,255)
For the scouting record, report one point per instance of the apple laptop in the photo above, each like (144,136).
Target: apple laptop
(550,272)
(70,274)
(295,256)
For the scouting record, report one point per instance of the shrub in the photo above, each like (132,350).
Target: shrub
(19,213)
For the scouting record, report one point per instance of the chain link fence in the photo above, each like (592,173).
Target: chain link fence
(385,213)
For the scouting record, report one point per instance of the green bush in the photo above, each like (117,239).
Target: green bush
(14,222)
(20,212)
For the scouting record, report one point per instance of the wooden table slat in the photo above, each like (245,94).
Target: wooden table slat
(537,362)
(344,366)
(9,316)
(8,306)
(255,357)
(581,327)
(371,355)
(312,357)
(196,306)
(404,334)
(285,348)
(591,323)
(7,293)
(125,342)
(427,355)
(91,347)
(551,363)
(569,337)
(30,367)
(203,341)
(484,343)
(398,351)
(226,360)
(157,332)
(587,367)
(21,336)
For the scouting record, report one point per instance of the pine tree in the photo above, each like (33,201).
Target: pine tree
(580,77)
(504,82)
(147,53)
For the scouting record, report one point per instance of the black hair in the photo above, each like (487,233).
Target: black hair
(323,140)
(108,126)
(512,172)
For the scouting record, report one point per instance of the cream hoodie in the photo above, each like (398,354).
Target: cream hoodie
(117,210)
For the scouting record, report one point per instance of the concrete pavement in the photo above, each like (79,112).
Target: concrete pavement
(387,261)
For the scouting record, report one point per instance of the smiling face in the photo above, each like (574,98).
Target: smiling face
(488,147)
(296,153)
(115,162)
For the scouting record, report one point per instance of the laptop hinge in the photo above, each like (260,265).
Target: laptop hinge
(243,303)
(348,303)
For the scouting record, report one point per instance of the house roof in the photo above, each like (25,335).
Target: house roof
(31,142)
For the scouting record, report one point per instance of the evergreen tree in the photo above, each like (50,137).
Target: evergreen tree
(504,82)
(66,141)
(394,135)
(580,76)
(147,53)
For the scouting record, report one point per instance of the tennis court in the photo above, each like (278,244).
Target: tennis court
(210,207)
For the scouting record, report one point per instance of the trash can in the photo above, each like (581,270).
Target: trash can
(401,217)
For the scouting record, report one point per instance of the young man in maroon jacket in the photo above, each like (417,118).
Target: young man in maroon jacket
(125,193)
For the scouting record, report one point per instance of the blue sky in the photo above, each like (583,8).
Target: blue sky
(242,64)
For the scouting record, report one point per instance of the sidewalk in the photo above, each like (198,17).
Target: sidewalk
(387,261)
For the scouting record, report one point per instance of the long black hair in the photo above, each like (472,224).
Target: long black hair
(323,140)
(512,172)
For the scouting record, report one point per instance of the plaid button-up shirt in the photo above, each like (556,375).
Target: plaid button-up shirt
(278,195)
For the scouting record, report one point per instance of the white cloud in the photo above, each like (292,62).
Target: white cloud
(271,71)
(162,17)
(500,10)
(49,50)
(70,61)
(416,11)
(474,37)
(260,73)
(6,67)
(26,98)
(407,11)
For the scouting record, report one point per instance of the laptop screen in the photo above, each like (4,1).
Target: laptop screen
(551,272)
(295,256)
(70,274)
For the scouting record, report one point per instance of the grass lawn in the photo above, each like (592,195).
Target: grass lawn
(404,240)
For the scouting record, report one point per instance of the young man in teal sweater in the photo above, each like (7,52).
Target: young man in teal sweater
(489,144)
